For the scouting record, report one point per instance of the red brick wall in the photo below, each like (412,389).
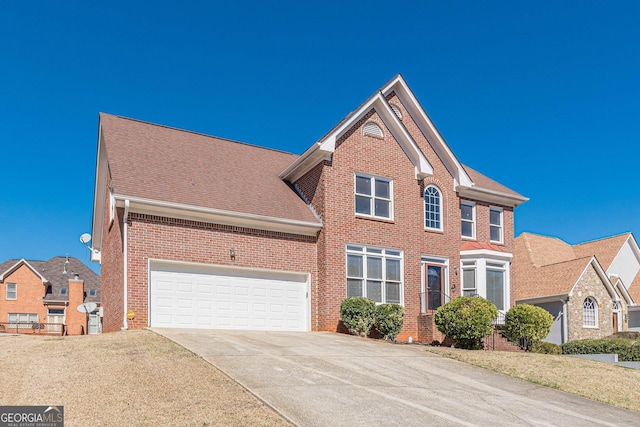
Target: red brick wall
(29,297)
(112,269)
(76,321)
(152,237)
(330,189)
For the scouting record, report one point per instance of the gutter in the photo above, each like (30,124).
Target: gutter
(125,224)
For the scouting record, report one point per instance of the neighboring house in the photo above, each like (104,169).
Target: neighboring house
(589,288)
(46,294)
(202,232)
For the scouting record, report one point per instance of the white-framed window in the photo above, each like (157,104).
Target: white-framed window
(432,208)
(12,291)
(590,313)
(373,196)
(468,218)
(469,285)
(63,291)
(93,292)
(22,320)
(495,285)
(488,276)
(372,129)
(375,273)
(496,229)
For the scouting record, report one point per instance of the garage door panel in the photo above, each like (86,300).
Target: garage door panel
(238,299)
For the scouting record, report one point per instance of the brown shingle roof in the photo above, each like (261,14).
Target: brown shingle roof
(171,165)
(605,249)
(555,279)
(634,289)
(483,181)
(544,250)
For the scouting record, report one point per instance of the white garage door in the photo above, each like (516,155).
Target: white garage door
(225,298)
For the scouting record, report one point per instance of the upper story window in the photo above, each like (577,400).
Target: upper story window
(590,313)
(374,273)
(374,196)
(92,292)
(372,129)
(63,291)
(432,208)
(12,291)
(495,225)
(468,217)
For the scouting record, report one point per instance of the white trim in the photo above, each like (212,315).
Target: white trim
(99,196)
(491,196)
(440,208)
(600,272)
(371,128)
(446,287)
(500,226)
(125,225)
(595,308)
(6,291)
(219,216)
(372,197)
(473,220)
(482,258)
(326,146)
(221,267)
(17,265)
(376,252)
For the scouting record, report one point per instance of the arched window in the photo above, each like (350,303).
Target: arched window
(590,313)
(432,208)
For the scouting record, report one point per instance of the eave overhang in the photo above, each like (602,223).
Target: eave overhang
(549,298)
(17,265)
(217,216)
(483,194)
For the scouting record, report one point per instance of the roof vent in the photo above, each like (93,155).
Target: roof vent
(372,129)
(396,111)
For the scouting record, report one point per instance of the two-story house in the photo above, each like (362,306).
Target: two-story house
(202,232)
(43,296)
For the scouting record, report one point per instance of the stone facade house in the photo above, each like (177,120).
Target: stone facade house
(588,287)
(43,296)
(203,232)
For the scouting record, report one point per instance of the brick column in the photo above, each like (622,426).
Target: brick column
(76,321)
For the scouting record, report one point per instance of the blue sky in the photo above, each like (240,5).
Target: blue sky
(540,96)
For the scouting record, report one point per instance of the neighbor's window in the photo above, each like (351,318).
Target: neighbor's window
(374,273)
(63,291)
(374,196)
(432,208)
(12,291)
(468,217)
(590,313)
(92,292)
(495,225)
(22,320)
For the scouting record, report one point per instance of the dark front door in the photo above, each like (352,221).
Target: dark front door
(434,286)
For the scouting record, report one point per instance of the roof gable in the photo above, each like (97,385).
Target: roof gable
(14,266)
(606,249)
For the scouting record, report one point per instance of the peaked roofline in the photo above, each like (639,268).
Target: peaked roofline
(325,147)
(603,275)
(17,265)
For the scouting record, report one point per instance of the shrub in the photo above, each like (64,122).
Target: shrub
(626,349)
(466,320)
(389,319)
(358,315)
(546,348)
(526,324)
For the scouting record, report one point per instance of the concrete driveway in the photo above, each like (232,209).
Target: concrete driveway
(326,379)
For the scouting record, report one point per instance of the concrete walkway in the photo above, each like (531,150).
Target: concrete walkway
(325,379)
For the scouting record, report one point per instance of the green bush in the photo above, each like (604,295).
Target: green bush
(358,315)
(626,349)
(389,319)
(467,320)
(546,348)
(526,324)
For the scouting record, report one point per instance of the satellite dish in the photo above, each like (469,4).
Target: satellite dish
(87,307)
(85,238)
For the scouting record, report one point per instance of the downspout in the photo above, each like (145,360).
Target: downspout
(125,224)
(565,323)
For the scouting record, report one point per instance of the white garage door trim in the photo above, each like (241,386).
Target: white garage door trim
(209,296)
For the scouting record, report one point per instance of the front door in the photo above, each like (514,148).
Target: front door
(434,286)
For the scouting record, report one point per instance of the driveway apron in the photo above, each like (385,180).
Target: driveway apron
(327,379)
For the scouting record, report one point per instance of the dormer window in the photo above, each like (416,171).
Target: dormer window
(372,129)
(63,291)
(92,292)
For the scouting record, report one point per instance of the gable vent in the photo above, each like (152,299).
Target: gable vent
(372,129)
(396,111)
